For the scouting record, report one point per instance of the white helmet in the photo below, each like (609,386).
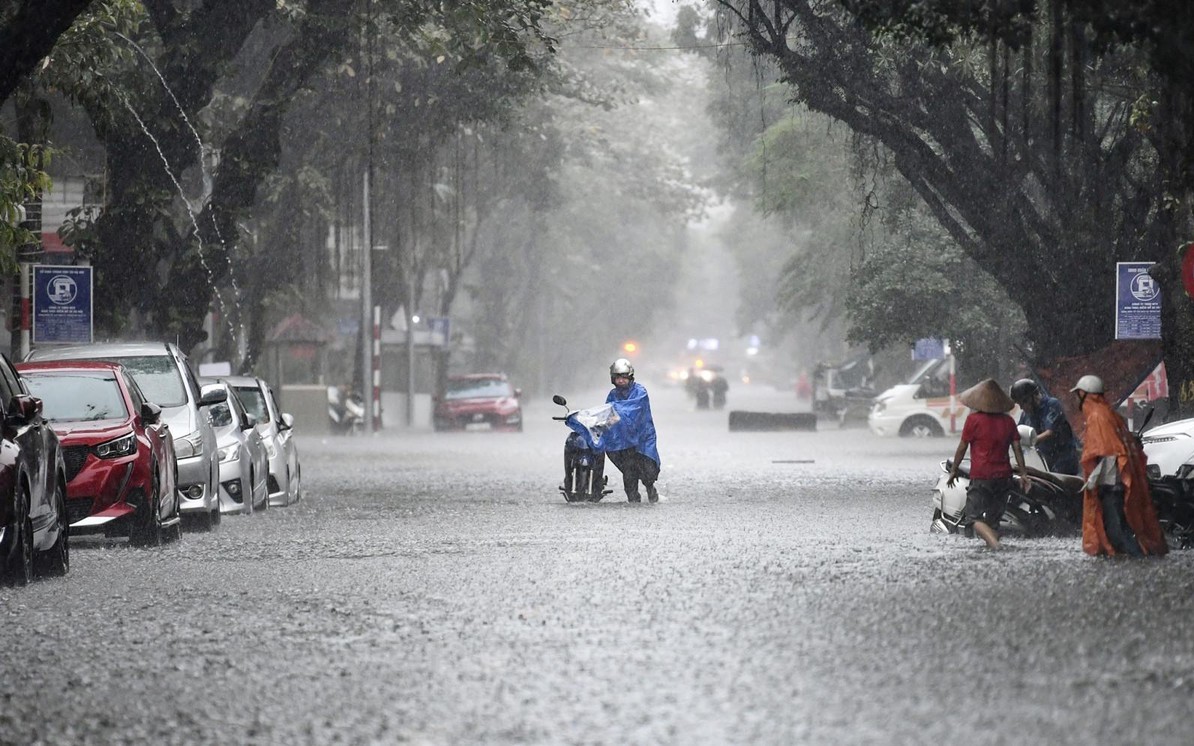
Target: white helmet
(1089,384)
(621,367)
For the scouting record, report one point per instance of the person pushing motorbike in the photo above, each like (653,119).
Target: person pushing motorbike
(1054,437)
(631,445)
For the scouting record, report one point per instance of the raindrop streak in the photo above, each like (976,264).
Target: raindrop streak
(186,202)
(207,189)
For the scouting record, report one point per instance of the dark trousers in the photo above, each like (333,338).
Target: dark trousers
(635,467)
(1115,523)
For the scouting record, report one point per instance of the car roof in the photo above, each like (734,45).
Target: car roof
(39,365)
(99,351)
(477,377)
(242,381)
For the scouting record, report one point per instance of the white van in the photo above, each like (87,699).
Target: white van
(919,408)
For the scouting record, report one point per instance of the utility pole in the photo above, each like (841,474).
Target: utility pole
(410,348)
(367,312)
(369,327)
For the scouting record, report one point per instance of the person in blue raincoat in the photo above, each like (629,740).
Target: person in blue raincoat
(631,444)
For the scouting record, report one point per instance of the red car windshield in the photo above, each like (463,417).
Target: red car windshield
(477,388)
(77,396)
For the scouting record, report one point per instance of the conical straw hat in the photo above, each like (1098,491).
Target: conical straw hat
(987,396)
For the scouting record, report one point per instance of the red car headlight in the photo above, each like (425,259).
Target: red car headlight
(122,446)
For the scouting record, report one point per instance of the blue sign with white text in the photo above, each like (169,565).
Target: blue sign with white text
(928,349)
(1137,302)
(62,309)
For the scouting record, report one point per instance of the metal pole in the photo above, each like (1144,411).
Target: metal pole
(410,350)
(367,313)
(26,280)
(375,390)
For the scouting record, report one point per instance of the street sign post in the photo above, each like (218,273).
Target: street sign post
(62,305)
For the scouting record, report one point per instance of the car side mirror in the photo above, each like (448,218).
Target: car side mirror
(250,422)
(287,421)
(151,413)
(22,410)
(212,393)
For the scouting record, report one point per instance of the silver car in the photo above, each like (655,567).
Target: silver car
(277,429)
(164,375)
(244,466)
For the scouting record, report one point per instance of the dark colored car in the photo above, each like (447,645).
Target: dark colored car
(33,519)
(480,401)
(119,454)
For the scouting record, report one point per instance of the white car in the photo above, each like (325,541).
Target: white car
(1169,448)
(277,430)
(244,466)
(921,408)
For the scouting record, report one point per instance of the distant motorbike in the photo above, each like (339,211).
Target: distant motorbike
(1051,506)
(584,468)
(346,414)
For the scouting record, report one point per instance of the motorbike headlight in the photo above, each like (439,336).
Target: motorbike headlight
(122,446)
(229,454)
(189,445)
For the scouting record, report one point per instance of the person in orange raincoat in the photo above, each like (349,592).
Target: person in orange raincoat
(1118,516)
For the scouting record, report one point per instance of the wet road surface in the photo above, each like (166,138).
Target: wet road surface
(434,588)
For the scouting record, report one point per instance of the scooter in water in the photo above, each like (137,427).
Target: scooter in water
(1051,506)
(584,468)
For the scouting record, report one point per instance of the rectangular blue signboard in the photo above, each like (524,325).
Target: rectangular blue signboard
(1137,302)
(928,348)
(62,305)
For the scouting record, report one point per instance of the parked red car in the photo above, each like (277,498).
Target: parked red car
(481,401)
(120,462)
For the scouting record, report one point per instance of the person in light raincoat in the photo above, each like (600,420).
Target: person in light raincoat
(1118,516)
(624,430)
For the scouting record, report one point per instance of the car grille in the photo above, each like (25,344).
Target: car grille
(78,508)
(75,457)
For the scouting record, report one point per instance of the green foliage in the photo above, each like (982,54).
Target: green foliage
(22,178)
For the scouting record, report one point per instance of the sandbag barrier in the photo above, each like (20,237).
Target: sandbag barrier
(740,420)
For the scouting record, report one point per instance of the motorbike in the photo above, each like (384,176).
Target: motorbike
(1173,497)
(584,468)
(346,413)
(1051,506)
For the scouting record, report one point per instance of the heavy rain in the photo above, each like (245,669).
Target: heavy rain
(867,327)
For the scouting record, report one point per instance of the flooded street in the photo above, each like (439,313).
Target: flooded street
(435,588)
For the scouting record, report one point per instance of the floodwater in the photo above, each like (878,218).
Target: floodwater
(434,588)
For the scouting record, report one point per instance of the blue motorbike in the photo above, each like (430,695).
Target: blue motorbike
(584,468)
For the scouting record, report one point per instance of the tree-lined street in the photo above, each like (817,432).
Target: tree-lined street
(434,588)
